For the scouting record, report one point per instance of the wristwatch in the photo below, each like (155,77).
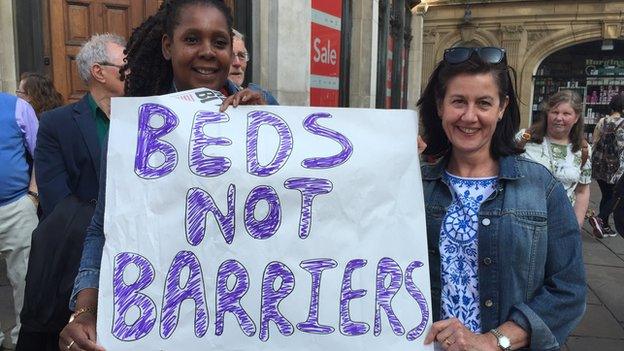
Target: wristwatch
(503,342)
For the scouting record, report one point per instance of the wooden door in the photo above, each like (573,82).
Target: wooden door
(72,22)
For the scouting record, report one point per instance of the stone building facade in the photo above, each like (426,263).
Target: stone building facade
(530,31)
(279,36)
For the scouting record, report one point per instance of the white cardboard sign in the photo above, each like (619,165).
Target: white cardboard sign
(262,228)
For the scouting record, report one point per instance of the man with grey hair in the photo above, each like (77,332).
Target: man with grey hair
(239,66)
(67,165)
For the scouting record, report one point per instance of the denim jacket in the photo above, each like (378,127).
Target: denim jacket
(530,257)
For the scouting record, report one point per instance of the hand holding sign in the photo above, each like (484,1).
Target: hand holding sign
(264,228)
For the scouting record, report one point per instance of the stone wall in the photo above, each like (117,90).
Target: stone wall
(8,71)
(529,31)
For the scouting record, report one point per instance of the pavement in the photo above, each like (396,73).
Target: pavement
(602,327)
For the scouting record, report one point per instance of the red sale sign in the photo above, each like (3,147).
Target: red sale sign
(325,52)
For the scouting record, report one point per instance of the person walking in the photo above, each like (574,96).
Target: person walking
(18,197)
(608,165)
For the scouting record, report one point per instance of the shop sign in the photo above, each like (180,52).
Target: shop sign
(325,52)
(607,67)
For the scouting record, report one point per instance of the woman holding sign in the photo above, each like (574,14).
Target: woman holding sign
(504,245)
(187,44)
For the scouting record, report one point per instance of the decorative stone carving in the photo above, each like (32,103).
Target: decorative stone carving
(611,30)
(512,32)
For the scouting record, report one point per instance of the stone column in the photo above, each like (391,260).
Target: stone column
(282,49)
(430,38)
(8,73)
(512,36)
(363,65)
(416,57)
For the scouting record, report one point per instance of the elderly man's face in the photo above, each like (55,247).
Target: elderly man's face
(239,62)
(110,69)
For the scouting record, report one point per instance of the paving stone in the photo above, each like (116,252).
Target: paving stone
(597,344)
(599,322)
(616,244)
(596,253)
(606,283)
(592,299)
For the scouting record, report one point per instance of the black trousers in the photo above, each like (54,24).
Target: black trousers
(34,341)
(606,201)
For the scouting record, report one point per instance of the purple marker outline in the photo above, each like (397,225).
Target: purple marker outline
(332,161)
(131,297)
(269,308)
(169,317)
(255,119)
(148,141)
(384,296)
(309,189)
(417,294)
(315,267)
(198,204)
(270,224)
(347,326)
(198,163)
(245,322)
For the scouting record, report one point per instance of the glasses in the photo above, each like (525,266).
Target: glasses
(487,54)
(242,55)
(109,64)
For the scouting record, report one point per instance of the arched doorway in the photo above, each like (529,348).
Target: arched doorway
(594,69)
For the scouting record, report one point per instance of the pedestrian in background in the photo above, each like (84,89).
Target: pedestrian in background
(18,198)
(67,166)
(39,91)
(556,141)
(608,163)
(239,67)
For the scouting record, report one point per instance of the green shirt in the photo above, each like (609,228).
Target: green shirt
(101,120)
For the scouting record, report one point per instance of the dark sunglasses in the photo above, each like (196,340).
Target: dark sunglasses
(487,54)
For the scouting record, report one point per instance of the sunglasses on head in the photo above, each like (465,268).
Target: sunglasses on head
(487,54)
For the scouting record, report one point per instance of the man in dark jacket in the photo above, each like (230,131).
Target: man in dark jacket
(67,163)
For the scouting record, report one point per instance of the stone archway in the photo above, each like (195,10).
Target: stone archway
(540,51)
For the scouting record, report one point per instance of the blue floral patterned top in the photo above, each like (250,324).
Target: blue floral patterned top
(459,250)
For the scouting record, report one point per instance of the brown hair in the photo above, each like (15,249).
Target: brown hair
(434,135)
(540,128)
(41,92)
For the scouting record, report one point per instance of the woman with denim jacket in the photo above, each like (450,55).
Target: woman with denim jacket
(505,254)
(187,44)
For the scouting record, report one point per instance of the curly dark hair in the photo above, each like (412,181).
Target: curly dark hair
(41,93)
(438,143)
(149,72)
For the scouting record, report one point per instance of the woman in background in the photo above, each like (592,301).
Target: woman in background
(556,141)
(39,91)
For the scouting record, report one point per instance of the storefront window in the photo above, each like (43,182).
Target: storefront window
(593,69)
(393,54)
(330,30)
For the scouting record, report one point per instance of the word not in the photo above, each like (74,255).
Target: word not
(324,54)
(150,142)
(199,203)
(127,296)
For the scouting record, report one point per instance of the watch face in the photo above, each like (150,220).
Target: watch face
(504,342)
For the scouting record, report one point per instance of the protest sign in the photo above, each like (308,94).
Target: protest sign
(262,228)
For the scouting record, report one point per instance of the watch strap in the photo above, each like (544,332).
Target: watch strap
(500,337)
